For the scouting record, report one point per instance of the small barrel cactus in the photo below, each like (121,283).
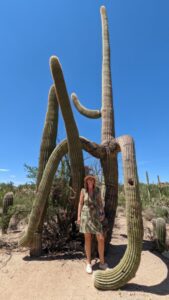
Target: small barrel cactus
(7,201)
(159,233)
(165,212)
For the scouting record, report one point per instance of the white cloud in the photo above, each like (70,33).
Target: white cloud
(4,170)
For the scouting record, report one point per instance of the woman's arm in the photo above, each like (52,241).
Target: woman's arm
(81,202)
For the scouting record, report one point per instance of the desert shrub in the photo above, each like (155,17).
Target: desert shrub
(149,213)
(23,200)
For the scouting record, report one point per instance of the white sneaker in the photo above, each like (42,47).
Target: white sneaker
(89,269)
(103,266)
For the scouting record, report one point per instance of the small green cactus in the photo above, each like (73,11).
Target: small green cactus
(159,233)
(7,202)
(148,187)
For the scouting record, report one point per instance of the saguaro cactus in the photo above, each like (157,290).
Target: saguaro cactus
(159,186)
(107,153)
(148,187)
(108,162)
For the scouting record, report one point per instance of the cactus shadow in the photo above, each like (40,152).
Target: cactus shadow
(57,256)
(116,252)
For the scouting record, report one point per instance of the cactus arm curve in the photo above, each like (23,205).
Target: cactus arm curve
(89,113)
(43,192)
(93,148)
(98,150)
(126,269)
(74,145)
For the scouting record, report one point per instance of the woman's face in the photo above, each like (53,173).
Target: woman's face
(90,183)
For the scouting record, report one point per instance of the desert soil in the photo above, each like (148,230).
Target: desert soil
(63,278)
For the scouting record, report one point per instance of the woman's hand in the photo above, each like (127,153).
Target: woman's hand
(78,221)
(101,215)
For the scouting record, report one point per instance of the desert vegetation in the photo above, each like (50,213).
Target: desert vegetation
(57,226)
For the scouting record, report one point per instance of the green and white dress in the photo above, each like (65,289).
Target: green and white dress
(90,222)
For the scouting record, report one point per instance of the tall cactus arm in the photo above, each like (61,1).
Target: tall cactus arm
(48,141)
(126,269)
(43,192)
(109,165)
(49,133)
(107,97)
(74,145)
(89,113)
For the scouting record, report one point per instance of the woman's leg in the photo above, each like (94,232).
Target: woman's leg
(100,239)
(88,238)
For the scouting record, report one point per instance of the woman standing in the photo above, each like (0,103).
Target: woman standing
(90,216)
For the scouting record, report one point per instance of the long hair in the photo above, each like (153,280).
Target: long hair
(86,184)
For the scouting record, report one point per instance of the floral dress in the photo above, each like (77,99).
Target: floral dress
(90,222)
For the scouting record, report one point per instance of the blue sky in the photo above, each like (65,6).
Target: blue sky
(31,31)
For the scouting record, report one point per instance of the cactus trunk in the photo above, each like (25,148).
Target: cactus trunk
(107,111)
(109,164)
(126,269)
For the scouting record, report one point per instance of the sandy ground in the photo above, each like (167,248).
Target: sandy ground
(60,278)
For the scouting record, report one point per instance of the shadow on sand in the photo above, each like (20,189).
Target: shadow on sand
(114,255)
